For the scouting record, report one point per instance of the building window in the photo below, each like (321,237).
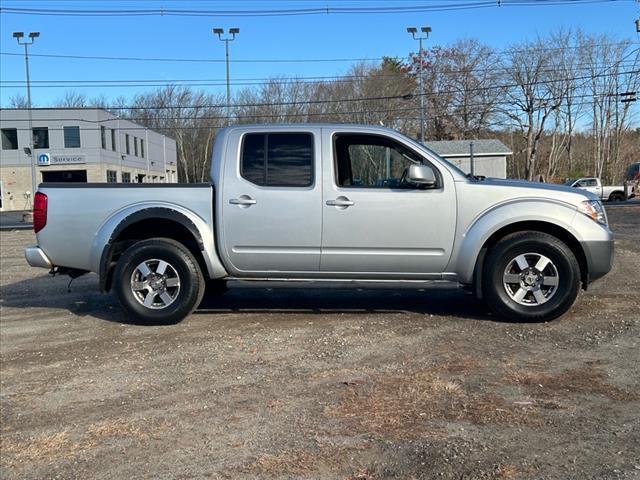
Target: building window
(41,137)
(126,177)
(113,140)
(71,137)
(9,139)
(135,146)
(112,176)
(278,159)
(126,144)
(103,137)
(142,148)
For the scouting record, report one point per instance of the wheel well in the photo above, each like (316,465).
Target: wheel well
(144,230)
(549,228)
(616,193)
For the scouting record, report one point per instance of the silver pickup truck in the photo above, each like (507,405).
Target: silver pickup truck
(325,202)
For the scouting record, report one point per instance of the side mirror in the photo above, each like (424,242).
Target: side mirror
(421,175)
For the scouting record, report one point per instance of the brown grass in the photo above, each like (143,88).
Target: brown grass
(299,462)
(582,380)
(64,445)
(406,405)
(507,471)
(56,445)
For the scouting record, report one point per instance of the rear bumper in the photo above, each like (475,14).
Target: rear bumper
(36,257)
(599,256)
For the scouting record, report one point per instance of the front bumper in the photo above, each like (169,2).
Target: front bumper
(599,254)
(37,258)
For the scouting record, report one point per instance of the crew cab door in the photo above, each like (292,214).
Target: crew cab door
(590,185)
(271,202)
(375,225)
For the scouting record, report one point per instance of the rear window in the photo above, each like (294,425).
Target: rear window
(277,159)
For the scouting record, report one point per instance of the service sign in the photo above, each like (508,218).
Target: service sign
(45,159)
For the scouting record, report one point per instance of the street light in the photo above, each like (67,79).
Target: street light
(426,31)
(233,32)
(32,36)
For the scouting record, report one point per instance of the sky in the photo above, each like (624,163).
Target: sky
(291,37)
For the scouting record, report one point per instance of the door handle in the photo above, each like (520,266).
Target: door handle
(243,200)
(340,202)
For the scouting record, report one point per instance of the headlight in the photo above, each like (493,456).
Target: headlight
(594,210)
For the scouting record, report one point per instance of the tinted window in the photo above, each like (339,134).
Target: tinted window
(278,159)
(371,161)
(71,137)
(9,139)
(41,137)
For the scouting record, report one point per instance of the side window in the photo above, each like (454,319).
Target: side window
(41,137)
(371,161)
(589,182)
(9,138)
(277,159)
(71,137)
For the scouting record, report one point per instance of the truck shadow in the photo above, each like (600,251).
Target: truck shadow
(84,299)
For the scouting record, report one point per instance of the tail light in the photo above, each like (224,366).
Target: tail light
(39,211)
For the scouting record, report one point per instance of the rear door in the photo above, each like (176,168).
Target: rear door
(374,225)
(272,194)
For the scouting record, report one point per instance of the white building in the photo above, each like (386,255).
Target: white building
(489,156)
(78,145)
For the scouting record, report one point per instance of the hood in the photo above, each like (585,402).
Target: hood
(540,189)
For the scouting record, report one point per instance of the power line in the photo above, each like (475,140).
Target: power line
(405,96)
(320,10)
(328,116)
(289,60)
(265,80)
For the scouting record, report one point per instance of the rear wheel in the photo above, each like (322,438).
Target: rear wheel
(158,281)
(616,197)
(530,276)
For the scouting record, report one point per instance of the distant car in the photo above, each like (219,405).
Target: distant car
(594,185)
(633,172)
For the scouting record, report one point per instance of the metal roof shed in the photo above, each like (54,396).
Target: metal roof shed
(490,156)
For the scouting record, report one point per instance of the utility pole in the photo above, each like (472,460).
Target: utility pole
(425,31)
(32,36)
(233,32)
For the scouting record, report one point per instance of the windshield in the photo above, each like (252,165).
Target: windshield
(570,182)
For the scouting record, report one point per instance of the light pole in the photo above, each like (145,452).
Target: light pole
(32,36)
(413,31)
(233,32)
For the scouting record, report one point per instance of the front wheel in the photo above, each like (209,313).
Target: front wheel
(530,277)
(158,281)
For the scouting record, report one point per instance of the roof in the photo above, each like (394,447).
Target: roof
(460,148)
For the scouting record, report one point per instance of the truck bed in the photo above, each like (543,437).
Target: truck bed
(81,216)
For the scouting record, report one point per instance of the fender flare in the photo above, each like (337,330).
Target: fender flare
(165,213)
(487,223)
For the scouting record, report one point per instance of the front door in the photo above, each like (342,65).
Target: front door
(272,203)
(374,222)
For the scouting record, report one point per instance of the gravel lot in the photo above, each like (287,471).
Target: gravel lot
(319,382)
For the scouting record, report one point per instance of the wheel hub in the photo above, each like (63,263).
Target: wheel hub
(155,284)
(531,279)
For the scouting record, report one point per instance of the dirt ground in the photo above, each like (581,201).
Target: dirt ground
(319,382)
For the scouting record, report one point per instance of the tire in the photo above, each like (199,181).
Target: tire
(158,281)
(530,277)
(616,197)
